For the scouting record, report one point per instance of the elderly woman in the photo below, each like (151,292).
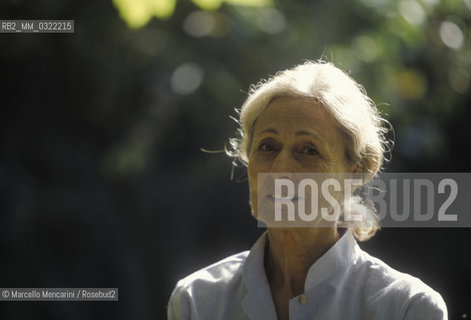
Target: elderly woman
(309,119)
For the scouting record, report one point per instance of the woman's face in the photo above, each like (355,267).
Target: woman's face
(294,135)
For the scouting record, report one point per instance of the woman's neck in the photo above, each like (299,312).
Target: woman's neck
(290,254)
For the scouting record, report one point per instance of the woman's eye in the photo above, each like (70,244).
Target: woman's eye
(309,150)
(266,147)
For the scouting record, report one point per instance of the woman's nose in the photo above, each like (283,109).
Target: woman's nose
(283,162)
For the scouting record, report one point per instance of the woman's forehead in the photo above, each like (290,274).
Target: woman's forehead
(295,113)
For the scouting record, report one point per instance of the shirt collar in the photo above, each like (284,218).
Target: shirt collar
(336,260)
(258,303)
(341,255)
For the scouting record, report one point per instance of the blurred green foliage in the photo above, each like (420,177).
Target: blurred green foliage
(137,13)
(412,56)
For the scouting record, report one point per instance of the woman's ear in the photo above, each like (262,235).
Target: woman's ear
(355,168)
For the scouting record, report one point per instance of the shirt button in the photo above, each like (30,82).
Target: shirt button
(302,299)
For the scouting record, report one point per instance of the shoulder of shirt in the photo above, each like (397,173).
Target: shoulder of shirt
(387,282)
(221,271)
(205,286)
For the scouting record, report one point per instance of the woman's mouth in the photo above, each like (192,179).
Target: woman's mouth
(282,199)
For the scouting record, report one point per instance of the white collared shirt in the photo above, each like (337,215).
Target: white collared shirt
(345,283)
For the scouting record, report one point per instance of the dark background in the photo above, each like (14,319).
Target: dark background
(102,181)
